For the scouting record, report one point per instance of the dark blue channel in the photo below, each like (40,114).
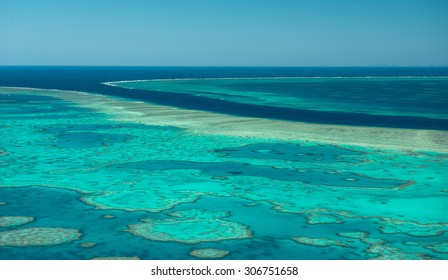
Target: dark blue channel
(90,78)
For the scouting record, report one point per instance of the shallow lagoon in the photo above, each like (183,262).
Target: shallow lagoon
(129,189)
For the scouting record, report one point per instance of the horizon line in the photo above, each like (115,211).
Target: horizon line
(242,66)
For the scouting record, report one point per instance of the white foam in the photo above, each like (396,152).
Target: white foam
(113,83)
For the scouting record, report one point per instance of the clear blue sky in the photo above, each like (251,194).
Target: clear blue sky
(224,32)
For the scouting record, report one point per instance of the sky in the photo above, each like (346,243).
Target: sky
(224,32)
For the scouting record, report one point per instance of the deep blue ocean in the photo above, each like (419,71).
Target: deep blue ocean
(90,79)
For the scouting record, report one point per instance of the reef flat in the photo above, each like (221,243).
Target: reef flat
(12,221)
(192,226)
(209,253)
(166,180)
(37,237)
(209,123)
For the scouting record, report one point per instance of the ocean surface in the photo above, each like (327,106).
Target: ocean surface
(223,162)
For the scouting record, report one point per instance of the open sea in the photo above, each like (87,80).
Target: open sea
(223,163)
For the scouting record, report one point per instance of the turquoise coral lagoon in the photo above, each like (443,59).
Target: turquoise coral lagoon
(135,179)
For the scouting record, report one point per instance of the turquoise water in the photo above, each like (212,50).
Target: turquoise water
(133,190)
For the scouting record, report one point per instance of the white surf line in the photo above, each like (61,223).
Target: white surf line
(206,123)
(176,90)
(113,83)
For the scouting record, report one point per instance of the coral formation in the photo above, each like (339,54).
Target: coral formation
(209,253)
(38,236)
(191,226)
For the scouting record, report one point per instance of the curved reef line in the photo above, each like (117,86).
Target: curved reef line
(206,123)
(112,83)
